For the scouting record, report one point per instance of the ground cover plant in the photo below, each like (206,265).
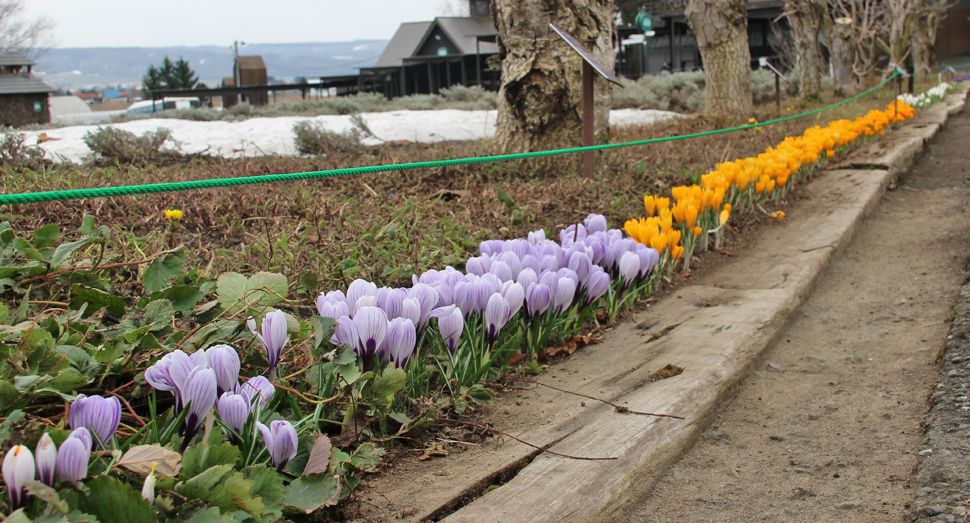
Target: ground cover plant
(329,300)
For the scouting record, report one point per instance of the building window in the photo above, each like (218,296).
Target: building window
(38,107)
(481,8)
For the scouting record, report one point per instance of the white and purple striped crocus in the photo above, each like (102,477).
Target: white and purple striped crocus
(233,410)
(18,468)
(73,456)
(45,456)
(281,441)
(451,323)
(258,387)
(497,312)
(273,336)
(200,390)
(99,415)
(537,299)
(399,342)
(224,361)
(371,325)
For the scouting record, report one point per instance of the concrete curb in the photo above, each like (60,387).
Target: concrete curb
(715,329)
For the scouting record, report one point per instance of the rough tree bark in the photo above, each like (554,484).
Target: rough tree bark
(923,29)
(721,29)
(840,54)
(807,19)
(863,26)
(540,101)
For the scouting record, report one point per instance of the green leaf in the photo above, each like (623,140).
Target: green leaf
(46,236)
(310,281)
(205,456)
(183,297)
(64,251)
(67,381)
(505,198)
(28,250)
(108,498)
(350,372)
(200,486)
(96,300)
(160,270)
(210,515)
(253,295)
(159,312)
(322,329)
(309,493)
(18,517)
(87,224)
(268,485)
(8,423)
(388,382)
(234,494)
(48,495)
(345,356)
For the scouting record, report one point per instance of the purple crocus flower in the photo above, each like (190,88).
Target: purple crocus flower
(563,295)
(169,373)
(537,237)
(428,298)
(538,298)
(371,330)
(18,468)
(200,389)
(233,410)
(597,283)
(392,302)
(497,313)
(99,415)
(451,323)
(580,263)
(527,277)
(514,294)
(84,435)
(274,336)
(514,261)
(478,265)
(364,301)
(332,305)
(411,309)
(224,361)
(446,295)
(529,261)
(345,333)
(649,257)
(501,270)
(595,223)
(258,387)
(73,457)
(281,442)
(359,288)
(46,458)
(399,342)
(629,268)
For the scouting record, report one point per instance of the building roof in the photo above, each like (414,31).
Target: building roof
(251,62)
(403,44)
(463,32)
(14,58)
(22,84)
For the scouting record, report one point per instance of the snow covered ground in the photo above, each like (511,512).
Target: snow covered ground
(266,136)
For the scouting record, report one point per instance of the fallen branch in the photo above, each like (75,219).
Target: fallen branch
(100,267)
(619,408)
(506,434)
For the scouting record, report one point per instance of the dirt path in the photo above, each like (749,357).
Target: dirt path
(828,428)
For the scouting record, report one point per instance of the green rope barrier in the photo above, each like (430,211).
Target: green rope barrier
(101,192)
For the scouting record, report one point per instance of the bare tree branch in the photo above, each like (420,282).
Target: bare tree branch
(31,37)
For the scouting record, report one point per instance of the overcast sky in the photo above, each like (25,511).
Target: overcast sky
(141,23)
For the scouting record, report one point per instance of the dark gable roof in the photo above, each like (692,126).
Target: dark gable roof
(14,58)
(404,44)
(251,62)
(463,32)
(22,84)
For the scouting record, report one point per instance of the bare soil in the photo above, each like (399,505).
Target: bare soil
(831,425)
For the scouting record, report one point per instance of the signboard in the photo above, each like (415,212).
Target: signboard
(645,22)
(586,55)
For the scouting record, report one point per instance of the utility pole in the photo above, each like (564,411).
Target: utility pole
(236,73)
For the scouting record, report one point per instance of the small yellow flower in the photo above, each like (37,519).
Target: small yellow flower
(173,215)
(752,121)
(777,215)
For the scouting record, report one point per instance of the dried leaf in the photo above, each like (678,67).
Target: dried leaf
(668,371)
(573,343)
(139,460)
(517,358)
(319,460)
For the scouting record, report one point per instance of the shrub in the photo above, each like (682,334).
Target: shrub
(312,138)
(240,109)
(110,144)
(16,155)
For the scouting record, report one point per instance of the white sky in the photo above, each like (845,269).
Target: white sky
(141,23)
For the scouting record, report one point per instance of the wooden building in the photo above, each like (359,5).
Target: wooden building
(251,70)
(425,57)
(24,99)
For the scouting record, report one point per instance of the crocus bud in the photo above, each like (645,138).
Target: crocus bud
(18,467)
(148,490)
(451,323)
(72,459)
(400,340)
(597,283)
(258,387)
(274,336)
(233,410)
(46,458)
(224,361)
(629,268)
(371,330)
(99,415)
(538,298)
(200,389)
(496,316)
(281,441)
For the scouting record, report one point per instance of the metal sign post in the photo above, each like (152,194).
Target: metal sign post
(590,64)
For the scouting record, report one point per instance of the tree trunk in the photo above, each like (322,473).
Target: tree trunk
(541,97)
(840,55)
(806,18)
(721,29)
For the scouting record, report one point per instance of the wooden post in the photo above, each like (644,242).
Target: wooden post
(778,93)
(588,117)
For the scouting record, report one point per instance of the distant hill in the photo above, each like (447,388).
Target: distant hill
(77,68)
